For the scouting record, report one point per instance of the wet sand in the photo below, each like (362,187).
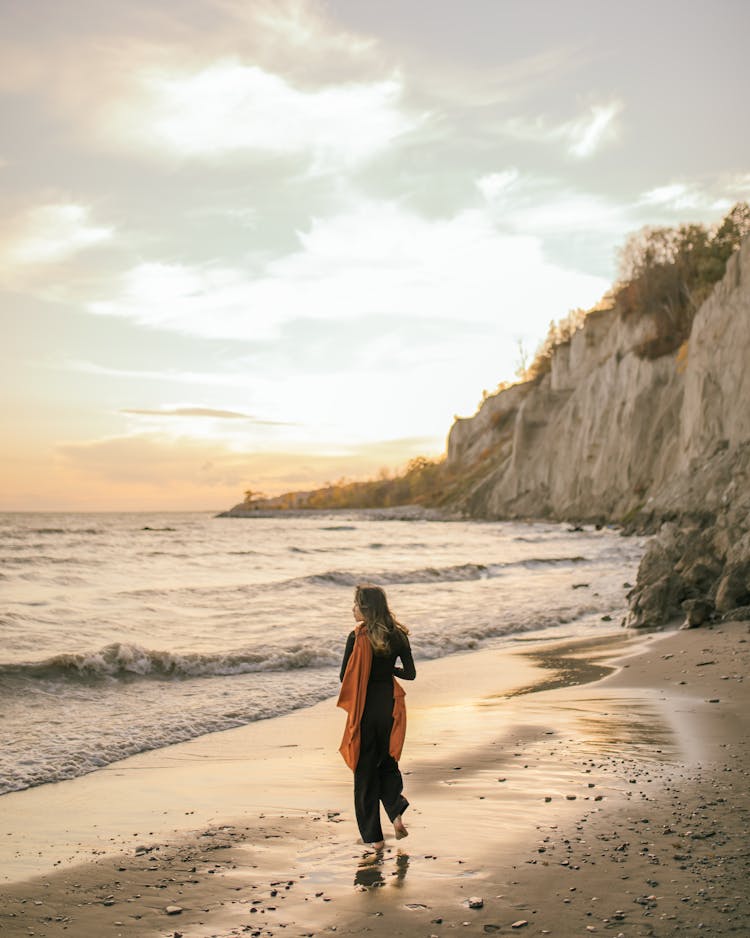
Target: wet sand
(571,787)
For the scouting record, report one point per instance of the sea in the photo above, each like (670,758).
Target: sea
(121,633)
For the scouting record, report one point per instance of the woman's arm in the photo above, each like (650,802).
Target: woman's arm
(347,654)
(408,672)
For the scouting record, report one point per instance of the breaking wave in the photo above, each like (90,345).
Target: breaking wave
(127,662)
(451,574)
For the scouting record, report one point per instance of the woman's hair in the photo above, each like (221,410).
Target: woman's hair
(381,627)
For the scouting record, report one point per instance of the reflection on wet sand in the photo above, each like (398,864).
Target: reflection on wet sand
(628,727)
(371,869)
(576,664)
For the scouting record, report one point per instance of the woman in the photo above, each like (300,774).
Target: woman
(376,723)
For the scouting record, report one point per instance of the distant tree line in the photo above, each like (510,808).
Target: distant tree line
(420,483)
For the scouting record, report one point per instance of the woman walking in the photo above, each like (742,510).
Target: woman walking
(376,712)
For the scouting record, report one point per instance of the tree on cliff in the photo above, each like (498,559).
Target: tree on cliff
(666,273)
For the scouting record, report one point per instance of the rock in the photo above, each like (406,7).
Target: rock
(697,611)
(173,909)
(475,902)
(734,586)
(520,923)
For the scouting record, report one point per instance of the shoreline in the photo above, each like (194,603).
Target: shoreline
(509,758)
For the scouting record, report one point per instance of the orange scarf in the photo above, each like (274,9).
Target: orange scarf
(352,699)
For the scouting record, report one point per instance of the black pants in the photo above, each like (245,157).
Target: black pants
(377,777)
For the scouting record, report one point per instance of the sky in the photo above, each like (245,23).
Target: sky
(264,245)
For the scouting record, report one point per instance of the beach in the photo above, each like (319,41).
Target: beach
(570,786)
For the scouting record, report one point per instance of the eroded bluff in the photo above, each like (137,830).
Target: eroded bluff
(660,445)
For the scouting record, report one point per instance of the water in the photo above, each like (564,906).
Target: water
(121,633)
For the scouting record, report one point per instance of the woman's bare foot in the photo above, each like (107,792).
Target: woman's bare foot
(378,845)
(398,826)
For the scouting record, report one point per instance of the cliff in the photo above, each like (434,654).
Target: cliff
(661,444)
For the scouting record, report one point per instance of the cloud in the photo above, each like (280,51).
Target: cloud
(229,107)
(681,196)
(583,136)
(494,185)
(297,25)
(217,379)
(83,67)
(48,234)
(377,258)
(425,313)
(192,412)
(739,183)
(588,133)
(545,206)
(232,429)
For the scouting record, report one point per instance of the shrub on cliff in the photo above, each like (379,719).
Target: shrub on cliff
(666,273)
(558,334)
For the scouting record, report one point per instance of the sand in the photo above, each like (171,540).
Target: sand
(570,787)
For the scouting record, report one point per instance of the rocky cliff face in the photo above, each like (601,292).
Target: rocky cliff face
(661,445)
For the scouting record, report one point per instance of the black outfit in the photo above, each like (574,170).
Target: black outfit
(377,777)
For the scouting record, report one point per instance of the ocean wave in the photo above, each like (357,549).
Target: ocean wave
(40,560)
(36,758)
(128,662)
(62,531)
(450,574)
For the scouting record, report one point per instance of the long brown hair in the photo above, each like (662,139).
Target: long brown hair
(382,628)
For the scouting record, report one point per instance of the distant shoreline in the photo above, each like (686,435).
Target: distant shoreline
(395,513)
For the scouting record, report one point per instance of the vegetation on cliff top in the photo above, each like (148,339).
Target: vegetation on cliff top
(665,274)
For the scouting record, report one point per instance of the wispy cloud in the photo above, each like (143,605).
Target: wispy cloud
(588,133)
(679,196)
(582,136)
(48,234)
(299,25)
(193,412)
(211,379)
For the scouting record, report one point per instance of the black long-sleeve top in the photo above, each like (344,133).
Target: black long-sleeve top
(384,666)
